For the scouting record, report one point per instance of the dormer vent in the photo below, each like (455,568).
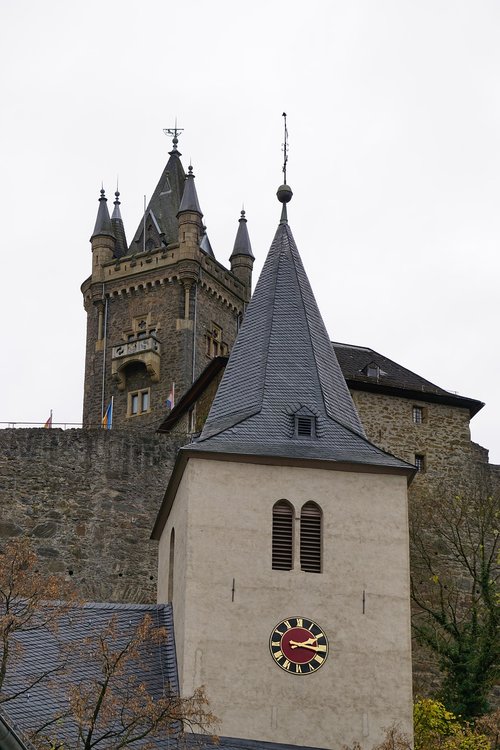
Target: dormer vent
(372,370)
(304,427)
(304,422)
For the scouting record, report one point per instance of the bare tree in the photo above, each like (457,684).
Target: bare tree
(103,692)
(455,576)
(116,708)
(25,594)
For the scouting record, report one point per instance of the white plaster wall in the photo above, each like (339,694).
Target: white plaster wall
(223,513)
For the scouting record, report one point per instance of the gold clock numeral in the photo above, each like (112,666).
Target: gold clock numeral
(318,660)
(275,643)
(288,626)
(286,665)
(300,622)
(278,654)
(321,648)
(298,669)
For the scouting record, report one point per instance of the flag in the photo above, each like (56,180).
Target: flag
(107,420)
(48,423)
(171,398)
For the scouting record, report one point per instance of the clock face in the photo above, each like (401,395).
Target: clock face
(298,645)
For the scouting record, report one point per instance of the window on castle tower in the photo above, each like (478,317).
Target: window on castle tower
(215,346)
(138,402)
(311,521)
(282,536)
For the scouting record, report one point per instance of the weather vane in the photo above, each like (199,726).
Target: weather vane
(285,149)
(175,131)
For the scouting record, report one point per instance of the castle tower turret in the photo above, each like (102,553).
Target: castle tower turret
(103,239)
(118,228)
(242,257)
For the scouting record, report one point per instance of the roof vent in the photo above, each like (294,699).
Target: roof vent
(372,370)
(304,423)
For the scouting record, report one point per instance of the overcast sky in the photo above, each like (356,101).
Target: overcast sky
(394,123)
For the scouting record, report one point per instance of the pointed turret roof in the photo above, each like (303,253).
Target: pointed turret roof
(242,244)
(118,228)
(283,367)
(102,222)
(189,200)
(205,244)
(165,201)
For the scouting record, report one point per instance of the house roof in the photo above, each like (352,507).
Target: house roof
(42,650)
(11,737)
(392,378)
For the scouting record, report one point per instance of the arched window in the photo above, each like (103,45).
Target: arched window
(310,538)
(171,566)
(282,535)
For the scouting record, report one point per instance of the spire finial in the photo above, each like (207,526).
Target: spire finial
(175,131)
(284,147)
(284,192)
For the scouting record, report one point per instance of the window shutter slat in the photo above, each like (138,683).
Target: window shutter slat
(282,536)
(310,538)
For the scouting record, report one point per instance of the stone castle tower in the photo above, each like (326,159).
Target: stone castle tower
(160,308)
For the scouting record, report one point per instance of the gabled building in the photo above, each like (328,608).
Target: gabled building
(283,538)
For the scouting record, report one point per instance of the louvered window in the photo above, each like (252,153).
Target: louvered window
(282,536)
(305,426)
(310,538)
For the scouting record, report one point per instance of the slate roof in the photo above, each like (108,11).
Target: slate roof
(121,247)
(242,245)
(102,222)
(234,743)
(11,737)
(190,200)
(282,361)
(165,201)
(393,378)
(42,650)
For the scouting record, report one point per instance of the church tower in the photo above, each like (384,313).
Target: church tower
(283,538)
(160,308)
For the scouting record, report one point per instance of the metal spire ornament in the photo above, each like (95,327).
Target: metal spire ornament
(284,192)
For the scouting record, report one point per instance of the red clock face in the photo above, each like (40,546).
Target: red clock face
(298,645)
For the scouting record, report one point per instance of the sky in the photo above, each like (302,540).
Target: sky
(394,132)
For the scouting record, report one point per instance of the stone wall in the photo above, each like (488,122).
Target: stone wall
(453,463)
(154,296)
(88,499)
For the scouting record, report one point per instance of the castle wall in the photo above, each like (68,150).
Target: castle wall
(88,499)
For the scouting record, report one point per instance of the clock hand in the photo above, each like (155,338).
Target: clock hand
(306,644)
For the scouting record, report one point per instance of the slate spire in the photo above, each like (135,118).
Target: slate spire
(189,200)
(242,244)
(164,203)
(118,228)
(283,368)
(103,222)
